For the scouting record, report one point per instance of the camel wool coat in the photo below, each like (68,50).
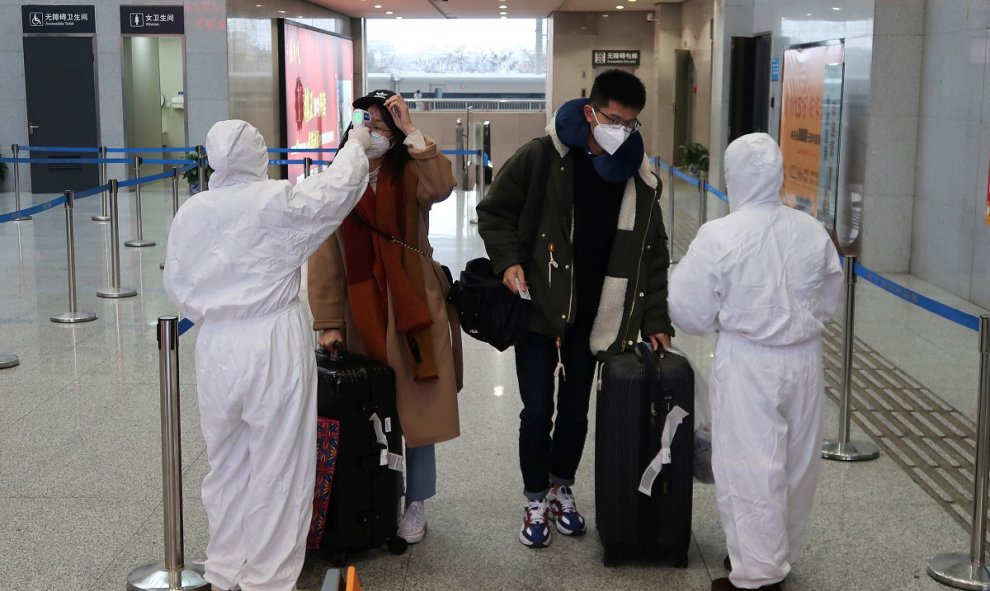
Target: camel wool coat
(428,410)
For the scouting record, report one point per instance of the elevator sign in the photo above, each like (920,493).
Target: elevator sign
(615,57)
(48,18)
(152,20)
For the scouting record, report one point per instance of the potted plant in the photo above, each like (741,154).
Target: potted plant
(696,159)
(192,175)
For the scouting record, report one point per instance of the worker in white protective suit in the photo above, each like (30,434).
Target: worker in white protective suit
(765,277)
(233,266)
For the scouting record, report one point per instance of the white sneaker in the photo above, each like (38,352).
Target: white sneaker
(412,528)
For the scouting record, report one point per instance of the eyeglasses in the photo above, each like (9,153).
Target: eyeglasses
(631,126)
(380,127)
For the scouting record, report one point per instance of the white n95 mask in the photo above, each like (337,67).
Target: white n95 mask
(379,146)
(610,136)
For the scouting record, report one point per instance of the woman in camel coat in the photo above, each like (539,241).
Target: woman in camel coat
(387,301)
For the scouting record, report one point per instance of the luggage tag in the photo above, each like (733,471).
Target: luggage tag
(524,294)
(386,458)
(674,418)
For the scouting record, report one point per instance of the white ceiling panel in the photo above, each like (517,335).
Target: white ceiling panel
(475,8)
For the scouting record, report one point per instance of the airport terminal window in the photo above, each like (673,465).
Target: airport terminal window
(450,59)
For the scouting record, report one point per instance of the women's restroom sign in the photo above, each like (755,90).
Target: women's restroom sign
(152,20)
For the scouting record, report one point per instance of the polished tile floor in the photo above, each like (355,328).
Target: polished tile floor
(80,467)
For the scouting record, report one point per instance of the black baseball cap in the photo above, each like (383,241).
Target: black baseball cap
(375,97)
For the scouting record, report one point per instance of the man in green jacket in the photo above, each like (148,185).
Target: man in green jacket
(597,275)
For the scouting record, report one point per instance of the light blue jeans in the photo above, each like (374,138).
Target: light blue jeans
(420,482)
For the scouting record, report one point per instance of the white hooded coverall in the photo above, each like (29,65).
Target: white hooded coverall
(766,277)
(233,266)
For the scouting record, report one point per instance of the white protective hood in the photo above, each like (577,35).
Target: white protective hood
(754,171)
(765,271)
(235,251)
(237,153)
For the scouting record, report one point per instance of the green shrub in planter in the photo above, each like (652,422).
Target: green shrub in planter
(695,157)
(191,176)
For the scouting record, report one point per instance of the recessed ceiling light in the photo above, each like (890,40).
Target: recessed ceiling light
(378,5)
(398,18)
(809,14)
(389,12)
(257,6)
(503,13)
(300,16)
(836,8)
(503,17)
(619,7)
(281,12)
(502,6)
(604,16)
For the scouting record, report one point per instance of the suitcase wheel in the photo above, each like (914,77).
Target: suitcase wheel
(611,558)
(397,545)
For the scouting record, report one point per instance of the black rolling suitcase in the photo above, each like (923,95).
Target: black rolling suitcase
(639,389)
(362,512)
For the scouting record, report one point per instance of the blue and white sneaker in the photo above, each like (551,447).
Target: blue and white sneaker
(563,510)
(535,533)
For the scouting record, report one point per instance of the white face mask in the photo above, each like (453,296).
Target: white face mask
(609,135)
(379,146)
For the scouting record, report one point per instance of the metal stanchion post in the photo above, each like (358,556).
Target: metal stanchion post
(140,242)
(702,203)
(481,175)
(8,360)
(459,158)
(172,575)
(115,290)
(105,196)
(73,315)
(175,199)
(670,231)
(307,166)
(201,157)
(842,448)
(15,150)
(969,571)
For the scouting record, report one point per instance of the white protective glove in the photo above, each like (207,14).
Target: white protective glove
(362,135)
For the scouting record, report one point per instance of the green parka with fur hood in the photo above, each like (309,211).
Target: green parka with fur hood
(634,295)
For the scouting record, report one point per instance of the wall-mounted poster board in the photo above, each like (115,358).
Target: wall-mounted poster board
(810,124)
(317,84)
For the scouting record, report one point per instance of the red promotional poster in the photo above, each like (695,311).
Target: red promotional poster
(318,77)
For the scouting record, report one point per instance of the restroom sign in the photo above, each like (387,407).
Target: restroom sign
(152,20)
(615,57)
(55,18)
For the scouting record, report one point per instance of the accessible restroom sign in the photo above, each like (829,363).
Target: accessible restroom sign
(55,18)
(152,20)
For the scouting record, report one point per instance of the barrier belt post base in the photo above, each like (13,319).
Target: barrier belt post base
(8,360)
(155,577)
(959,571)
(841,448)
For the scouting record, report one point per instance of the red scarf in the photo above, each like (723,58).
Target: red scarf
(376,267)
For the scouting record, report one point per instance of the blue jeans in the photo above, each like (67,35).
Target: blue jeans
(420,482)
